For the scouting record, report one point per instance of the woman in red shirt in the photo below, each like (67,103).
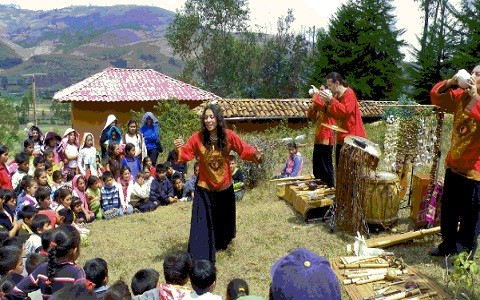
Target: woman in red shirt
(5,180)
(213,223)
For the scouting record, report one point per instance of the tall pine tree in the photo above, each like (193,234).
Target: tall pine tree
(363,45)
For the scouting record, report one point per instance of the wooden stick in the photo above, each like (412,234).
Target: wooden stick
(403,295)
(361,266)
(303,177)
(424,296)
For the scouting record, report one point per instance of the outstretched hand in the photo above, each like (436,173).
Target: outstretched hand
(472,86)
(259,155)
(178,143)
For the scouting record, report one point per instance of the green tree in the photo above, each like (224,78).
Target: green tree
(9,125)
(285,65)
(363,45)
(202,33)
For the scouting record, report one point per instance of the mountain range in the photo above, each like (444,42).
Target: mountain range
(72,43)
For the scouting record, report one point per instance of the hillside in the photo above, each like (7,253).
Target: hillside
(74,42)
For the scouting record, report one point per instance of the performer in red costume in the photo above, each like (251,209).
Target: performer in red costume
(461,193)
(323,140)
(343,107)
(213,222)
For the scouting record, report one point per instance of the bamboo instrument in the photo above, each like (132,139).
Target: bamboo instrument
(370,272)
(363,266)
(303,177)
(396,239)
(403,295)
(424,296)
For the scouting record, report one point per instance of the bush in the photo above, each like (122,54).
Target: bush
(9,126)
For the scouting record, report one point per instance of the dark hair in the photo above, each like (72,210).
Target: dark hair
(46,239)
(292,145)
(118,291)
(42,193)
(232,157)
(3,149)
(17,241)
(28,211)
(75,201)
(202,276)
(237,288)
(9,258)
(92,180)
(177,176)
(96,270)
(8,282)
(7,195)
(67,213)
(145,159)
(27,143)
(128,147)
(195,165)
(70,175)
(177,267)
(77,291)
(38,160)
(167,164)
(336,77)
(221,128)
(144,280)
(140,174)
(61,194)
(29,181)
(111,149)
(160,168)
(47,152)
(33,261)
(106,175)
(130,122)
(123,169)
(21,157)
(38,222)
(64,239)
(56,175)
(4,234)
(48,165)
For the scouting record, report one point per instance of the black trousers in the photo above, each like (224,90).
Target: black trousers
(460,202)
(153,154)
(322,163)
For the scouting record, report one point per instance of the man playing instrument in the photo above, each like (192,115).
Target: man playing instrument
(461,194)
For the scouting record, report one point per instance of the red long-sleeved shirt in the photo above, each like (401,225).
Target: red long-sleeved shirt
(214,170)
(5,180)
(317,111)
(347,115)
(464,154)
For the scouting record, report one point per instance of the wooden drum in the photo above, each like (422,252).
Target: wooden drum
(382,199)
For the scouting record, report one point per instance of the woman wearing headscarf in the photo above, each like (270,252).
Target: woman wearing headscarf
(111,121)
(151,134)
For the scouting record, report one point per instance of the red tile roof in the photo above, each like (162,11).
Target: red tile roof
(245,109)
(115,85)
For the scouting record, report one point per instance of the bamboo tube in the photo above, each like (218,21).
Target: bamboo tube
(303,177)
(403,295)
(396,239)
(424,296)
(363,266)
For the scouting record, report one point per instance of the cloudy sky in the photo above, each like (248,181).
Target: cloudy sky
(307,13)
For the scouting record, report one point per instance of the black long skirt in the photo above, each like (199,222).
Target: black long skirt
(213,223)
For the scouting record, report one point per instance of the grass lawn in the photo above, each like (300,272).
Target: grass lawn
(267,228)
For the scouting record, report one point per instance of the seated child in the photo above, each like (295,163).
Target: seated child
(44,205)
(148,176)
(192,182)
(49,170)
(93,196)
(147,163)
(65,216)
(144,280)
(23,161)
(26,215)
(176,270)
(112,201)
(161,190)
(237,177)
(238,289)
(7,213)
(182,168)
(63,198)
(179,192)
(171,172)
(46,240)
(57,179)
(40,224)
(140,194)
(30,188)
(11,260)
(293,166)
(8,282)
(118,290)
(33,261)
(58,271)
(39,163)
(96,270)
(203,277)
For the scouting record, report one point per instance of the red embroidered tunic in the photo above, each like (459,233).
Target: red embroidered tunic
(347,115)
(214,171)
(317,112)
(464,154)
